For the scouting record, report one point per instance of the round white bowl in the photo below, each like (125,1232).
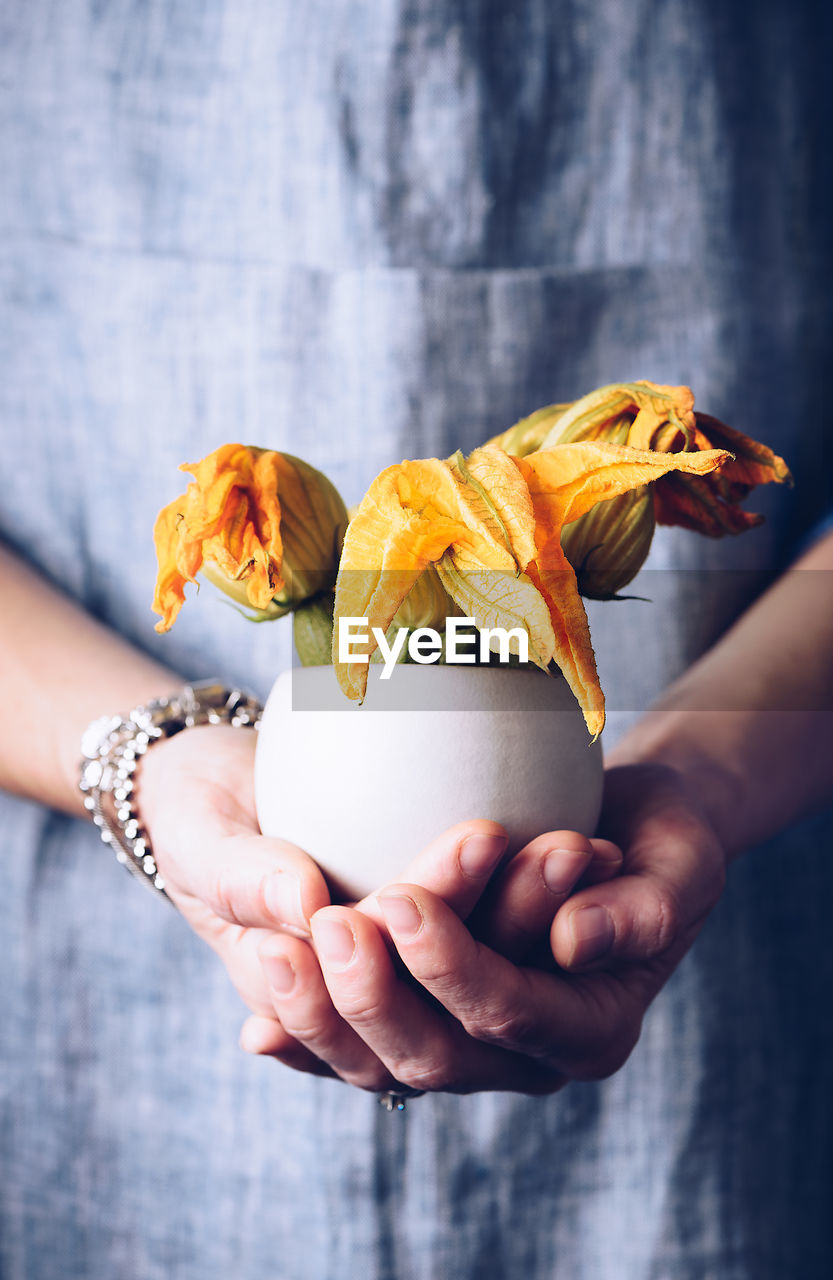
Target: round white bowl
(364,788)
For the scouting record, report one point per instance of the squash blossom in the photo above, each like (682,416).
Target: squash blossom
(609,545)
(265,527)
(491,524)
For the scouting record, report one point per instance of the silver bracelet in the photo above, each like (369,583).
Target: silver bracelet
(112,746)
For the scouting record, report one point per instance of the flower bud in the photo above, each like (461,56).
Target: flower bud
(264,527)
(313,522)
(312,631)
(608,546)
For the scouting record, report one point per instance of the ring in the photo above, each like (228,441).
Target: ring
(395,1099)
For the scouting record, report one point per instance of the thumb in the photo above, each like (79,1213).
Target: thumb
(242,876)
(257,881)
(673,874)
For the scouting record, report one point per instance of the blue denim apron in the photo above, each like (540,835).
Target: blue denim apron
(361,232)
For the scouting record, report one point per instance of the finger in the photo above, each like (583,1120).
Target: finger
(266,1036)
(456,866)
(246,878)
(582,1027)
(239,950)
(416,1044)
(306,1012)
(518,906)
(673,874)
(207,843)
(607,862)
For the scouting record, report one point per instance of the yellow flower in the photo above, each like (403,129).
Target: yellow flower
(565,482)
(608,546)
(411,515)
(492,526)
(645,415)
(264,526)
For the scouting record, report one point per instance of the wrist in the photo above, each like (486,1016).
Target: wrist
(112,746)
(136,687)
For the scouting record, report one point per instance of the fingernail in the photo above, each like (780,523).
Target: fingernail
(247,1041)
(282,895)
(593,934)
(251,1039)
(279,974)
(561,869)
(335,943)
(402,915)
(477,855)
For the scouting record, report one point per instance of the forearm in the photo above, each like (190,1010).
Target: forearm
(751,724)
(61,668)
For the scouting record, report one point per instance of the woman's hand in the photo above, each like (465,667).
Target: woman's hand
(234,886)
(239,890)
(423,1001)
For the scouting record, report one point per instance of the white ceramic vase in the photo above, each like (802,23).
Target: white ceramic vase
(364,788)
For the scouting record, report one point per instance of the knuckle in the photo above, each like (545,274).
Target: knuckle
(433,1076)
(372,1078)
(509,1029)
(440,972)
(360,1010)
(312,1032)
(663,924)
(226,894)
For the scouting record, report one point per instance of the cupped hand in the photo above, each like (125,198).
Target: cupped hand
(444,998)
(234,886)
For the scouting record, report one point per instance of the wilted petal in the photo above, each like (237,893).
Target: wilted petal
(565,482)
(409,517)
(626,411)
(231,519)
(568,480)
(498,599)
(573,652)
(709,505)
(506,498)
(169,596)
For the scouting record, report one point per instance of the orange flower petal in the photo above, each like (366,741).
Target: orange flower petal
(569,479)
(693,503)
(230,516)
(573,649)
(507,498)
(611,412)
(753,463)
(477,510)
(169,595)
(409,517)
(564,483)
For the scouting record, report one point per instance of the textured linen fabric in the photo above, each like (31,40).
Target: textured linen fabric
(362,232)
